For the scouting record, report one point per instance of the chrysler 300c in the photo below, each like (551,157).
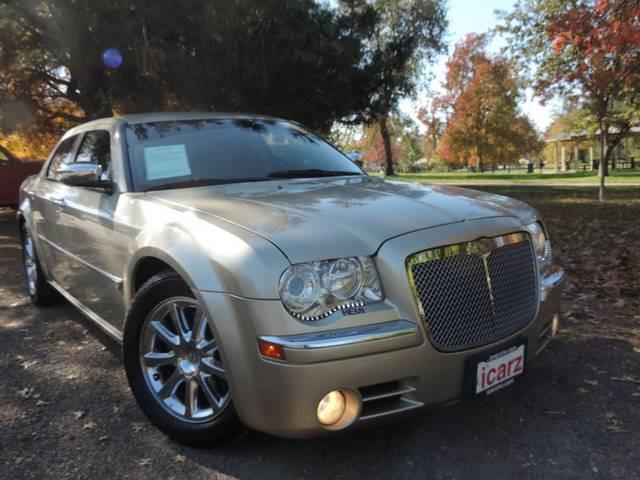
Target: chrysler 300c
(257,277)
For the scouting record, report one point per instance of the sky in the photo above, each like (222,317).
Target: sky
(478,16)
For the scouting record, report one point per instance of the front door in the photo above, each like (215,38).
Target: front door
(91,248)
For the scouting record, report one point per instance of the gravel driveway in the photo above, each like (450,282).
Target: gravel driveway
(66,410)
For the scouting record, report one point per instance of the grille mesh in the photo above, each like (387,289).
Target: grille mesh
(463,308)
(514,287)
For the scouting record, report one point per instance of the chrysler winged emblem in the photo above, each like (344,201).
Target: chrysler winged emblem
(483,247)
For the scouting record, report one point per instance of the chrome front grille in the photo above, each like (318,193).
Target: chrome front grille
(475,293)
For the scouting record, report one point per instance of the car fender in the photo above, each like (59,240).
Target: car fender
(210,257)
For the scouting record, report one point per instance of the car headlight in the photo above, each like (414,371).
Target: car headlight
(314,290)
(541,245)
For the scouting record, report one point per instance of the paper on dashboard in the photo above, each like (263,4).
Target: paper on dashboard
(166,161)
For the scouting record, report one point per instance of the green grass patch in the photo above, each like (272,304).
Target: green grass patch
(519,177)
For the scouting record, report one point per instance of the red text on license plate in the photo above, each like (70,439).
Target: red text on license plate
(499,370)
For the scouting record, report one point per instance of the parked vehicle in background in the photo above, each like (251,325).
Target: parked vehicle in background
(13,171)
(256,276)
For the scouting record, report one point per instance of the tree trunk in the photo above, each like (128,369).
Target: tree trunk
(386,140)
(604,159)
(95,99)
(98,105)
(479,163)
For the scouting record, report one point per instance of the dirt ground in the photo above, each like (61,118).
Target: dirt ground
(66,410)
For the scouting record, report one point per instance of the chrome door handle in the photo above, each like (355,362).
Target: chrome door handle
(59,201)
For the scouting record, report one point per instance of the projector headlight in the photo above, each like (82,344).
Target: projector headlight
(541,245)
(314,290)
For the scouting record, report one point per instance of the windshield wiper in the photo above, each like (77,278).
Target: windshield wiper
(202,182)
(310,173)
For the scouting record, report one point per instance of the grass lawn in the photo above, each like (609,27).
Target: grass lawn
(590,178)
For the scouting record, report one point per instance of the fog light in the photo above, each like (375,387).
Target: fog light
(331,407)
(555,324)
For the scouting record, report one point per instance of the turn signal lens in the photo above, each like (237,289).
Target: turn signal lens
(331,407)
(271,350)
(542,247)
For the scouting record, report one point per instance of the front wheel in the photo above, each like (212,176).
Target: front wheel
(174,366)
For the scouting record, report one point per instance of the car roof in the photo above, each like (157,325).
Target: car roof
(135,118)
(170,116)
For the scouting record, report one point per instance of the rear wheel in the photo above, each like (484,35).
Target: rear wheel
(38,289)
(174,366)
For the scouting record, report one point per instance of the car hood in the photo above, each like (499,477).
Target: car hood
(346,216)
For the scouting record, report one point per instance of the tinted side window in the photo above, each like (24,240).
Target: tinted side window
(62,155)
(96,148)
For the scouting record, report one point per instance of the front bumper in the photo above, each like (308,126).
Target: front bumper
(393,374)
(383,355)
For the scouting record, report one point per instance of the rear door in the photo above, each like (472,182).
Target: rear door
(47,207)
(92,250)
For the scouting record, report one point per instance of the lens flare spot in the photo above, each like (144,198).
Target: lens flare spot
(112,58)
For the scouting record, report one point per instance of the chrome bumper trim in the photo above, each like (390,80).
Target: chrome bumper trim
(344,336)
(551,281)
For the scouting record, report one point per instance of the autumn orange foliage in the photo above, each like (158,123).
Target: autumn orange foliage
(485,127)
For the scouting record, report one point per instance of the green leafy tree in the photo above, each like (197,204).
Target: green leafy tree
(302,60)
(406,36)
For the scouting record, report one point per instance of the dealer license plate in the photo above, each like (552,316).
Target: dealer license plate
(499,370)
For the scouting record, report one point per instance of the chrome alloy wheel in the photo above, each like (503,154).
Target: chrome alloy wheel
(181,361)
(30,263)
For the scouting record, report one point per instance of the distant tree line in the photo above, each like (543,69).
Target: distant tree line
(474,123)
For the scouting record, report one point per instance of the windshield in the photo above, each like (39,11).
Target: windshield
(174,154)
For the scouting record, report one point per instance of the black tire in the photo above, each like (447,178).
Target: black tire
(221,429)
(42,294)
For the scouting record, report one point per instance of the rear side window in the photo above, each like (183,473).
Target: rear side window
(4,159)
(62,155)
(96,148)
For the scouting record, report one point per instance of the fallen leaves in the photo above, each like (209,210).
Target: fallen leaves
(138,426)
(89,425)
(26,392)
(626,379)
(30,363)
(556,413)
(613,423)
(78,414)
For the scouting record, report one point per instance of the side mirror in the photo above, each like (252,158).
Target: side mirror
(79,174)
